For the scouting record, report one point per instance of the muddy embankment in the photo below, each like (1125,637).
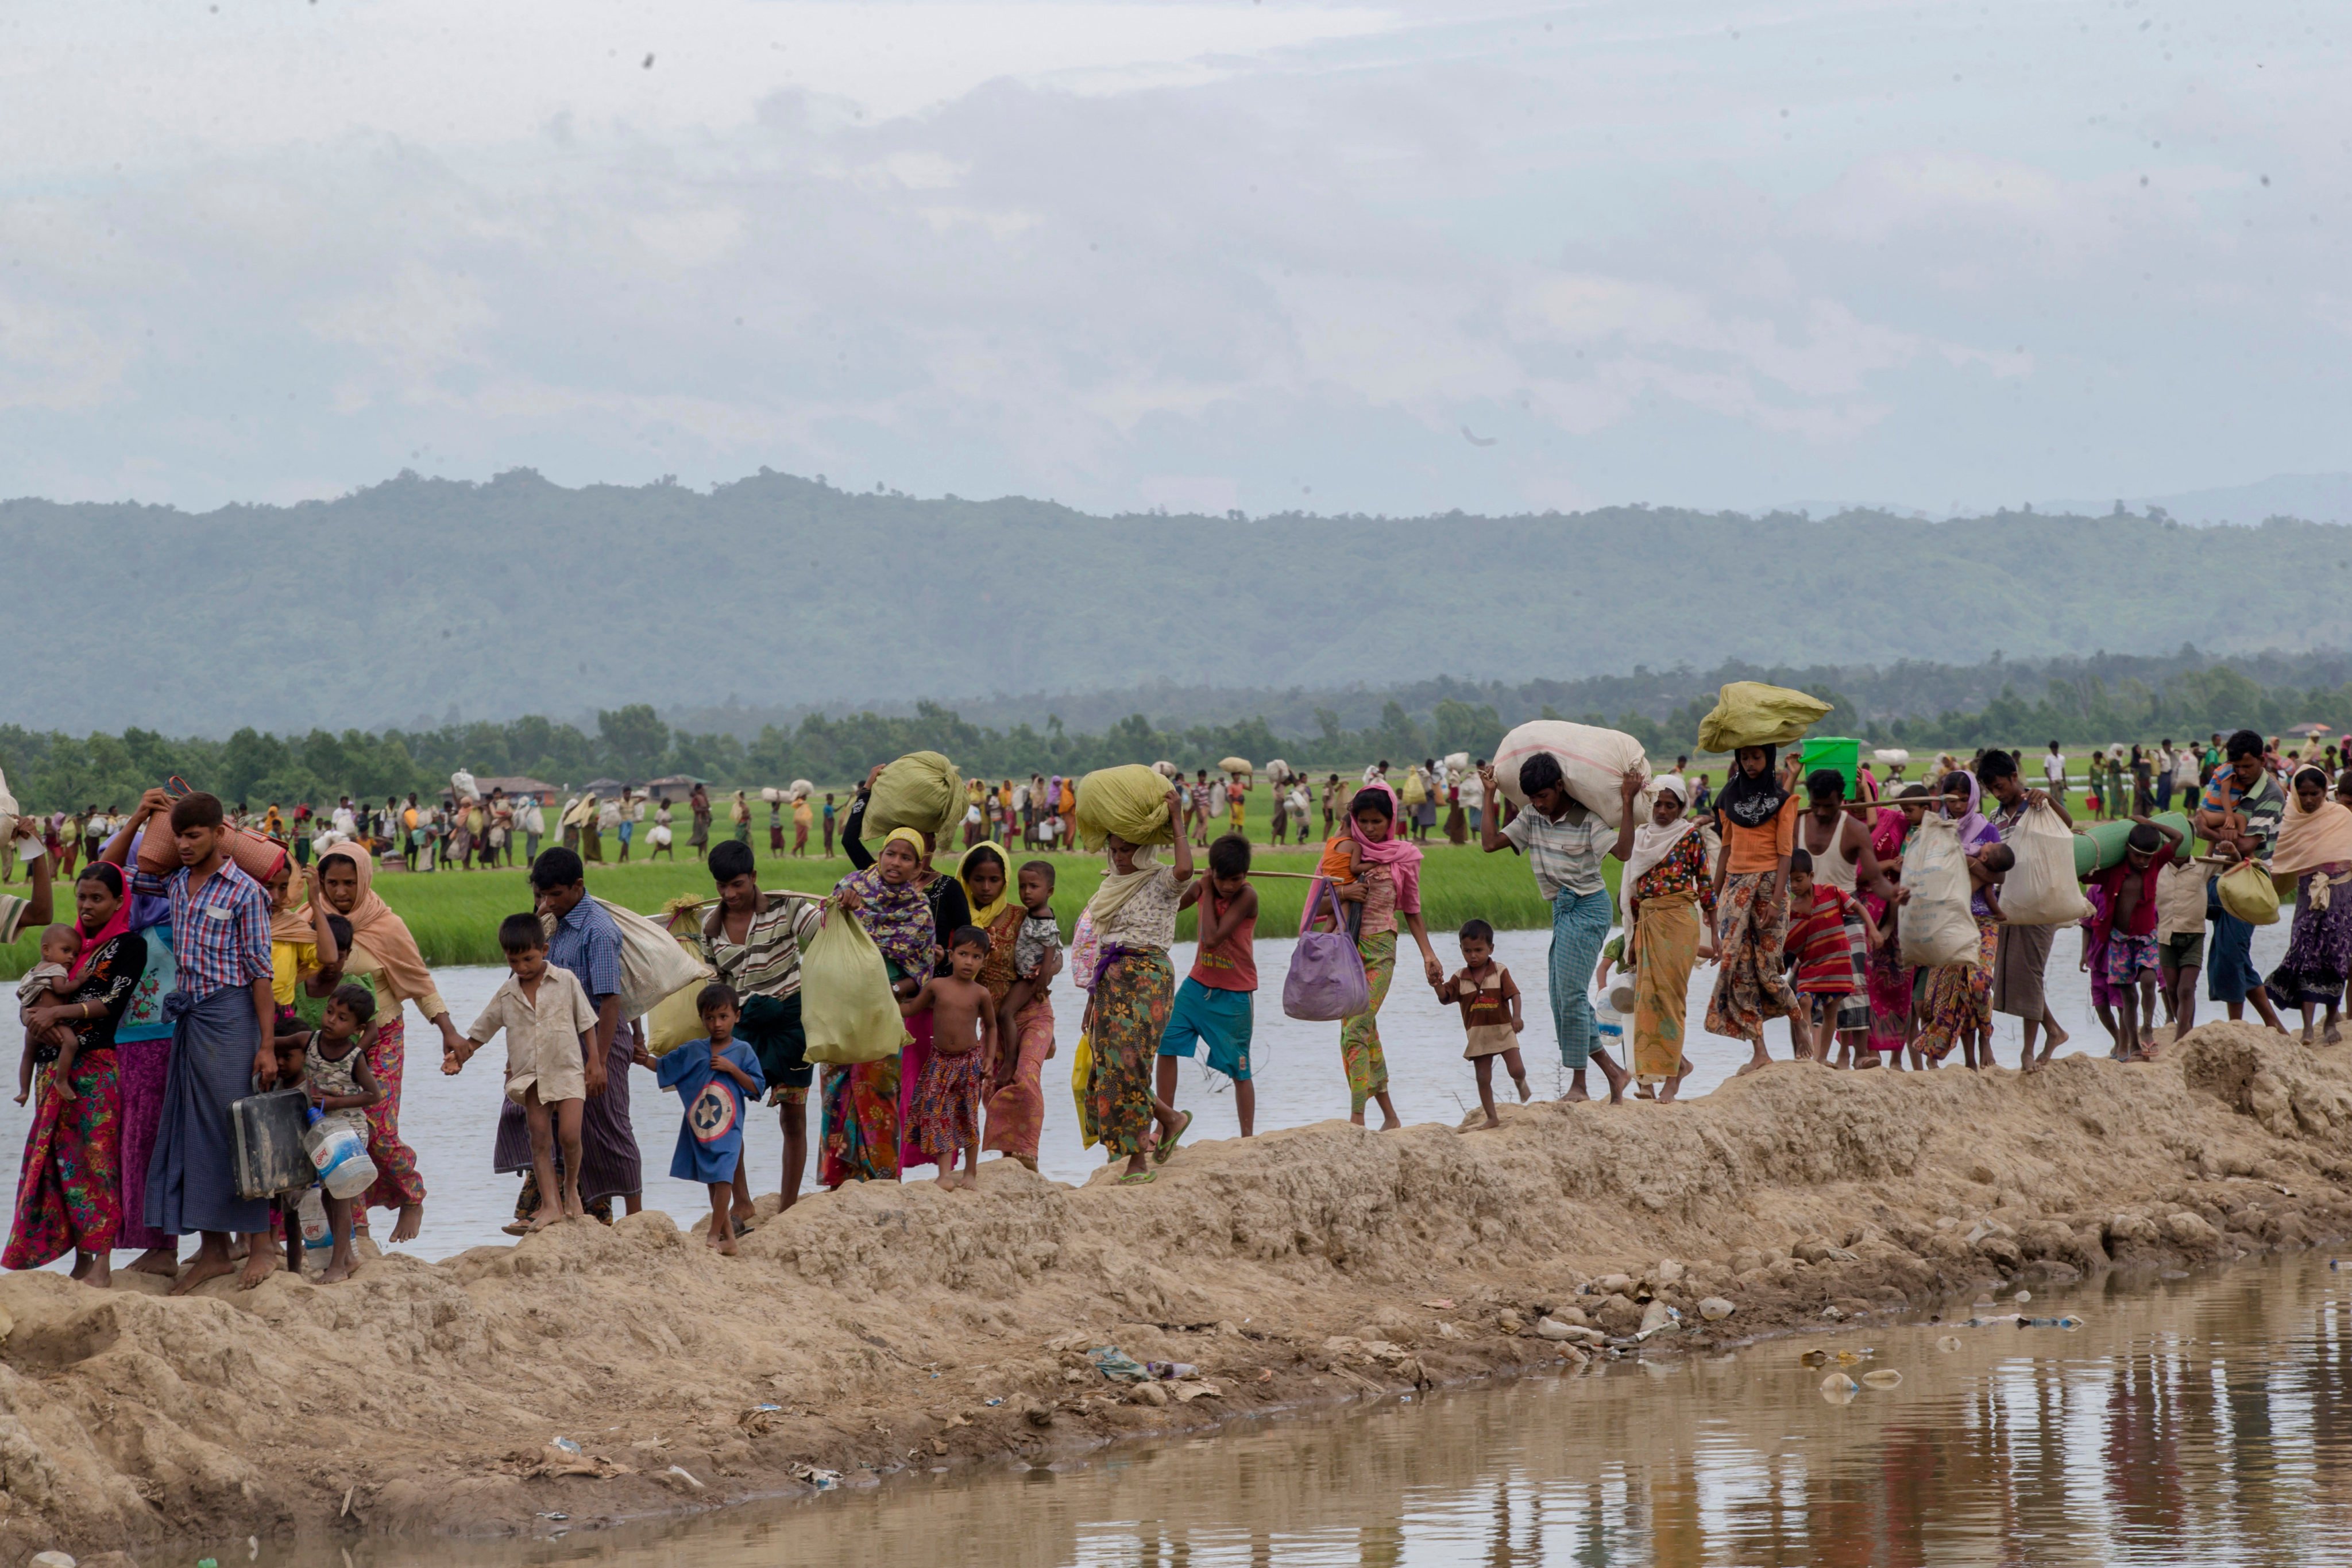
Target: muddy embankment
(887,1326)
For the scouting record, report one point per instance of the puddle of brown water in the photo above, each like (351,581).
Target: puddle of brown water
(2196,1421)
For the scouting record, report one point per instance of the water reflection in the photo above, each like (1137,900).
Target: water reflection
(2202,1422)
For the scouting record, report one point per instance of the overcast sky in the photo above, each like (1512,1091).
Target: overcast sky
(1380,257)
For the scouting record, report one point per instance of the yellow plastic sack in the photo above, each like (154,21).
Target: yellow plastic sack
(1750,713)
(1082,1067)
(2247,891)
(846,1008)
(675,1018)
(1131,801)
(922,791)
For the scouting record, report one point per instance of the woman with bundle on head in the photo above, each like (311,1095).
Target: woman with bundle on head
(1133,915)
(863,1116)
(1757,812)
(951,912)
(1564,840)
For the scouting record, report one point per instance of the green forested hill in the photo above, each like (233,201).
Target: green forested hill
(417,596)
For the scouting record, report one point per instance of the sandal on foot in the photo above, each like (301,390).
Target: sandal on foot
(1138,1178)
(1167,1144)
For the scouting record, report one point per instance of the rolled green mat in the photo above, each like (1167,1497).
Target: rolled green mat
(2100,846)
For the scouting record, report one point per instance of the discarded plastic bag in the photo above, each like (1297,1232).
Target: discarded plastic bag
(1750,713)
(1935,925)
(2247,891)
(847,1008)
(1131,801)
(2041,890)
(1118,1366)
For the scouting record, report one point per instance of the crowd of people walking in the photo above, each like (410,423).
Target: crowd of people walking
(204,960)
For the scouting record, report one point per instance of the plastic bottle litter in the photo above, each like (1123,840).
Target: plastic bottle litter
(1837,1388)
(566,1445)
(1884,1377)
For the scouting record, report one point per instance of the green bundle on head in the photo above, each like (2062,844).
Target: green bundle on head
(1131,801)
(922,790)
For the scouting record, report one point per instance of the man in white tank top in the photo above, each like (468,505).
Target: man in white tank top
(1843,859)
(1836,839)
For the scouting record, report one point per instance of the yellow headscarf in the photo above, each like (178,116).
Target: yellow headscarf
(912,840)
(984,915)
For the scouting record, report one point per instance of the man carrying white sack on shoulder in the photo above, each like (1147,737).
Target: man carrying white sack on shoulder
(2021,954)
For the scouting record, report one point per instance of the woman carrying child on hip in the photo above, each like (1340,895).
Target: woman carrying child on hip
(1379,877)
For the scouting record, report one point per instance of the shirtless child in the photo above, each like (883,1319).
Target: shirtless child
(946,1110)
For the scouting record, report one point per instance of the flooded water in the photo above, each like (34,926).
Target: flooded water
(451,1121)
(2206,1420)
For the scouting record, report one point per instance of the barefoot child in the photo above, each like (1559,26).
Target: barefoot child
(946,1109)
(551,1029)
(60,945)
(1212,1010)
(335,1071)
(2131,955)
(716,1079)
(1820,952)
(1491,1015)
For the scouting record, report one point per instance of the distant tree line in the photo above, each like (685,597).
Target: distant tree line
(51,770)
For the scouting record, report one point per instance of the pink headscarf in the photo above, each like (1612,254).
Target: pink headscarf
(1400,856)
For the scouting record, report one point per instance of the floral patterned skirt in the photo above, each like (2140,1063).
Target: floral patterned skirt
(861,1123)
(1016,1113)
(1360,1054)
(1958,997)
(68,1196)
(1751,983)
(398,1183)
(1129,1014)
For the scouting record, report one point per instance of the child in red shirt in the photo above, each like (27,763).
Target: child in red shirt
(1821,953)
(2131,931)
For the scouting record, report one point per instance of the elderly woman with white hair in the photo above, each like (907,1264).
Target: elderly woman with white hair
(1666,883)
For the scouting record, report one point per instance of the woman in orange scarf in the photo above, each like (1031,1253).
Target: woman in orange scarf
(382,949)
(2314,847)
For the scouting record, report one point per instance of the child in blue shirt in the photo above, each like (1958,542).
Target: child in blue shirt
(715,1080)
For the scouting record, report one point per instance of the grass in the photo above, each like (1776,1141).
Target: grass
(455,915)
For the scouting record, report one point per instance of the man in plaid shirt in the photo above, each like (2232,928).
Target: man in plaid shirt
(224,1020)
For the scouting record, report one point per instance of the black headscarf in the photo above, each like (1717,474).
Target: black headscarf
(1753,802)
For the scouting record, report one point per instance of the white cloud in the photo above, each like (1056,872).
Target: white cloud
(1126,252)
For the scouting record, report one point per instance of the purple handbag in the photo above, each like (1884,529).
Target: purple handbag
(1327,979)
